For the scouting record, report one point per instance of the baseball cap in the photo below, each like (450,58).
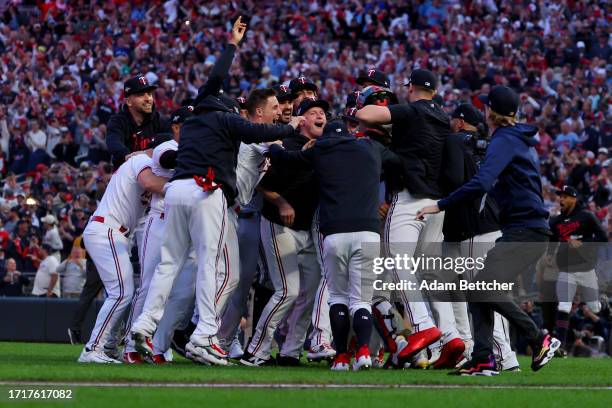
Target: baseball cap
(350,114)
(375,76)
(351,99)
(47,248)
(335,128)
(423,78)
(302,83)
(137,84)
(568,190)
(501,100)
(376,95)
(602,150)
(468,113)
(181,115)
(309,103)
(283,92)
(241,102)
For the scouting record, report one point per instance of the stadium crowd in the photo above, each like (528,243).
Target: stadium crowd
(63,66)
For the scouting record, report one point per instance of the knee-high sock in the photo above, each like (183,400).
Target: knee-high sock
(362,325)
(340,325)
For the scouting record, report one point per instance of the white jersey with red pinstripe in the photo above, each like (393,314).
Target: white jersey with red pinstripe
(157,200)
(106,241)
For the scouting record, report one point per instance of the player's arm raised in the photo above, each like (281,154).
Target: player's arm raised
(151,182)
(374,115)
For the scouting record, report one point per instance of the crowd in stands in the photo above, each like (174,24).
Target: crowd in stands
(63,64)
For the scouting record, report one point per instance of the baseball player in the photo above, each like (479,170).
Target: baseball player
(350,112)
(347,228)
(263,107)
(196,206)
(575,232)
(285,102)
(373,77)
(301,88)
(290,255)
(106,240)
(419,129)
(162,165)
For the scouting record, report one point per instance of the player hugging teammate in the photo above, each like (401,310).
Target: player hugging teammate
(268,183)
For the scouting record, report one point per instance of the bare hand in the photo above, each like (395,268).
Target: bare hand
(287,214)
(548,260)
(309,144)
(238,31)
(574,243)
(296,121)
(430,209)
(383,209)
(276,142)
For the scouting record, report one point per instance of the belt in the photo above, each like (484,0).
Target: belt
(110,223)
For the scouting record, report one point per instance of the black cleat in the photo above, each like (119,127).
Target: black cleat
(544,351)
(287,361)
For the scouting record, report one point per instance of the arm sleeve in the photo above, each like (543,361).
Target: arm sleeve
(248,132)
(167,160)
(115,142)
(499,155)
(218,74)
(599,234)
(454,163)
(402,113)
(251,168)
(293,159)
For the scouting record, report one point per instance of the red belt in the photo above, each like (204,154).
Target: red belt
(97,218)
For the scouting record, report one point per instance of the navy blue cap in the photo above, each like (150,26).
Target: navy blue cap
(375,76)
(137,84)
(501,100)
(308,103)
(468,113)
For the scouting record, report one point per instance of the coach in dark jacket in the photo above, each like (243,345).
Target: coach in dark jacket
(510,174)
(136,125)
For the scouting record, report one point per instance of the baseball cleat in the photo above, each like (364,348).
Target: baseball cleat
(417,342)
(363,361)
(159,359)
(379,360)
(132,357)
(142,344)
(544,351)
(96,356)
(235,350)
(419,360)
(212,354)
(287,361)
(320,352)
(451,353)
(341,362)
(250,360)
(515,369)
(486,368)
(113,353)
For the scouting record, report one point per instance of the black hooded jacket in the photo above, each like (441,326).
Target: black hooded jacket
(348,171)
(211,139)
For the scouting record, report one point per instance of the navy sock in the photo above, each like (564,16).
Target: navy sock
(340,325)
(562,326)
(362,325)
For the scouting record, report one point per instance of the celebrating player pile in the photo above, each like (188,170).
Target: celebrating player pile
(272,183)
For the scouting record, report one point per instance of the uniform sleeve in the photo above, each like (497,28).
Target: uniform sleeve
(499,154)
(402,113)
(293,159)
(139,163)
(454,161)
(115,141)
(252,166)
(159,152)
(218,74)
(248,132)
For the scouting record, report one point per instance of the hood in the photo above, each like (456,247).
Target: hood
(212,103)
(523,131)
(334,133)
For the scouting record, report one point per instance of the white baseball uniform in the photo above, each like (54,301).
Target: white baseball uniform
(106,241)
(321,327)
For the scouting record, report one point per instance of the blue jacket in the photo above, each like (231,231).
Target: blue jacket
(511,175)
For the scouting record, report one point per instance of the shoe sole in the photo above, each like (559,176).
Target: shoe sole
(485,373)
(554,346)
(249,364)
(208,359)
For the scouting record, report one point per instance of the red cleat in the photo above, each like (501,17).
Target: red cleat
(451,354)
(417,342)
(132,357)
(159,359)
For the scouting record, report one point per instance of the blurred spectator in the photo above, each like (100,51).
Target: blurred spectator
(66,150)
(47,280)
(52,235)
(12,283)
(73,273)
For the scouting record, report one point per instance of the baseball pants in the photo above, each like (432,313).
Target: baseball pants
(93,285)
(402,234)
(248,243)
(568,284)
(109,250)
(349,269)
(194,218)
(291,261)
(321,327)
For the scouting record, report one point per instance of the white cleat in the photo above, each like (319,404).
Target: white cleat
(96,356)
(320,352)
(342,362)
(236,350)
(363,361)
(209,355)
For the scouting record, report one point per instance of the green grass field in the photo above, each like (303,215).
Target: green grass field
(54,366)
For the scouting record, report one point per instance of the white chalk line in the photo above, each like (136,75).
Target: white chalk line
(296,386)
